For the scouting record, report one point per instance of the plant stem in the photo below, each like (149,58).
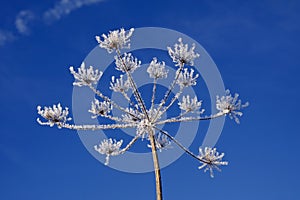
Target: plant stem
(156,166)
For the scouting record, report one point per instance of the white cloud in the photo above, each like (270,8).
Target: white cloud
(24,17)
(22,20)
(6,36)
(65,7)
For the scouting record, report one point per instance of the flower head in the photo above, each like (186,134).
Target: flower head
(132,116)
(187,78)
(157,69)
(190,104)
(211,159)
(85,76)
(100,108)
(127,61)
(109,148)
(115,40)
(55,115)
(231,105)
(162,142)
(119,85)
(182,55)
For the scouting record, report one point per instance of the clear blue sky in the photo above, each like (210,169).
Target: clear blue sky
(255,45)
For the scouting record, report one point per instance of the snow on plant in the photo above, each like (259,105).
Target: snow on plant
(145,120)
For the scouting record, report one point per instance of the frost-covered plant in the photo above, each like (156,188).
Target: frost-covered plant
(146,120)
(211,159)
(109,148)
(231,105)
(182,54)
(85,76)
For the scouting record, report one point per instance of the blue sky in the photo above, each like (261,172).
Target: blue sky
(255,45)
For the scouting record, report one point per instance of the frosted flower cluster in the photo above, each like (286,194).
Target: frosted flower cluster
(132,116)
(109,147)
(190,104)
(119,85)
(162,142)
(182,55)
(54,115)
(157,69)
(145,118)
(115,40)
(100,108)
(231,105)
(85,76)
(127,63)
(211,159)
(187,78)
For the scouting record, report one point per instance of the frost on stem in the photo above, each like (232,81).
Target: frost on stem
(85,77)
(115,40)
(231,105)
(157,70)
(127,63)
(109,148)
(119,85)
(211,159)
(55,115)
(100,108)
(182,55)
(186,78)
(190,104)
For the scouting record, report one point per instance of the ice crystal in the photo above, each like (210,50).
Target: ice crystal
(119,85)
(231,105)
(187,78)
(115,40)
(109,147)
(190,104)
(182,54)
(100,108)
(211,159)
(55,115)
(127,63)
(157,70)
(85,76)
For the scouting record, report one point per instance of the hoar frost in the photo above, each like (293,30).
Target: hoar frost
(146,120)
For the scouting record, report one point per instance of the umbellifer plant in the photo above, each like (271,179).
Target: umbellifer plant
(145,120)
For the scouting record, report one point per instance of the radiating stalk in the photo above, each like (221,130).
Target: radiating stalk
(156,166)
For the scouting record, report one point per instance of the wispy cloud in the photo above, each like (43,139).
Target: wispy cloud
(22,20)
(27,17)
(65,7)
(6,36)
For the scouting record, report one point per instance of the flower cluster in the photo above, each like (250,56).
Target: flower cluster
(145,118)
(157,70)
(187,78)
(55,115)
(132,116)
(119,85)
(115,40)
(100,108)
(190,104)
(127,63)
(85,76)
(231,105)
(162,142)
(109,148)
(211,159)
(182,55)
